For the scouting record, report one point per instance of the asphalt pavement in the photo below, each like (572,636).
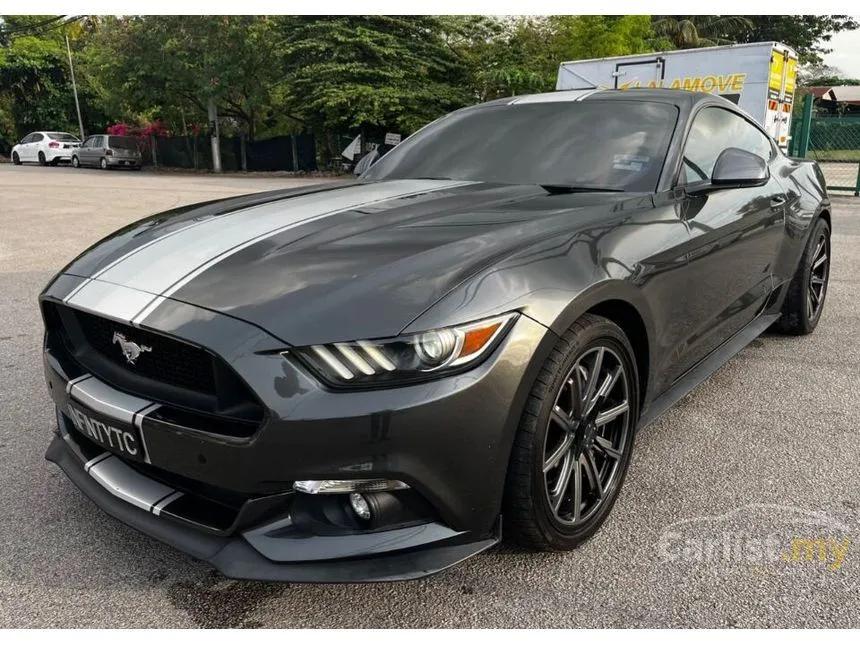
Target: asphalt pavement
(741,508)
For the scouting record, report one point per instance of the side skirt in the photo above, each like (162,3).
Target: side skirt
(704,368)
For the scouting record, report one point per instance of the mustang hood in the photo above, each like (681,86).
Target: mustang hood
(327,263)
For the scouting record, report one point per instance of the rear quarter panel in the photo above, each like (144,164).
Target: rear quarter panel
(807,198)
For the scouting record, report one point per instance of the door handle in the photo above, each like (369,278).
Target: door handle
(777,202)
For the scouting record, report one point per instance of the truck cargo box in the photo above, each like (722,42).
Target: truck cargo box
(758,77)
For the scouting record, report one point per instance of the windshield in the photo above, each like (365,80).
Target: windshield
(617,145)
(62,136)
(122,143)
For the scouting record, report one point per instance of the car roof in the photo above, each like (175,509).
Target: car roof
(684,99)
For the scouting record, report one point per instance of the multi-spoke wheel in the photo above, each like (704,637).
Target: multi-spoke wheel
(804,301)
(818,277)
(575,439)
(586,435)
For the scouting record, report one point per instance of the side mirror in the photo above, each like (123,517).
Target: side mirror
(736,168)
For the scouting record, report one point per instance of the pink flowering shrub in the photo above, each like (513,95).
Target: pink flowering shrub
(141,132)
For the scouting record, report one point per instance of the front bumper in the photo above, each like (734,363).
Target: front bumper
(449,440)
(406,555)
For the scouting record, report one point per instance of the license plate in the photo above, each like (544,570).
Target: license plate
(121,438)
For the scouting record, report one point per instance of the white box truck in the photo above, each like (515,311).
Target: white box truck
(758,77)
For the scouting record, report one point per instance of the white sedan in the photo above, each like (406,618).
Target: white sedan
(45,148)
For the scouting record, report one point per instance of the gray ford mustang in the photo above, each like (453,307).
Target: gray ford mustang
(372,381)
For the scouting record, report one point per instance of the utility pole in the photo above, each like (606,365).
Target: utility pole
(214,134)
(75,88)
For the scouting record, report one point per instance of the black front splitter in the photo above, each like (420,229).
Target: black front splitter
(235,558)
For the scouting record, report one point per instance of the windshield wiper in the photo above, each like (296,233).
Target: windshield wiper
(556,189)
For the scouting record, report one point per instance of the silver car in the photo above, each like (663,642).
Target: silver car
(108,151)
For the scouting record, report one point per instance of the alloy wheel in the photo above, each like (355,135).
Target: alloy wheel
(587,436)
(818,274)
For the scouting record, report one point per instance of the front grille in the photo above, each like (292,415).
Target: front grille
(177,374)
(169,361)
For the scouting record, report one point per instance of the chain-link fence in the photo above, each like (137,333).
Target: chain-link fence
(834,142)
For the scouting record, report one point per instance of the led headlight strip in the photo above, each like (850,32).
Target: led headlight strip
(409,357)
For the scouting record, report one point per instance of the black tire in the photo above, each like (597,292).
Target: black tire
(528,515)
(76,163)
(103,164)
(42,160)
(16,159)
(801,310)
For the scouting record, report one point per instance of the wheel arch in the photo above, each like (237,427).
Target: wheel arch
(624,305)
(628,318)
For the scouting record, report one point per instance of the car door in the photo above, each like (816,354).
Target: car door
(23,148)
(35,146)
(98,149)
(85,152)
(734,234)
(31,148)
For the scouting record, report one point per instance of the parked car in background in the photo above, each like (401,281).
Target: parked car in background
(45,148)
(108,151)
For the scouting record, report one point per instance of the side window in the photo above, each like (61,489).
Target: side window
(714,130)
(36,138)
(95,142)
(27,139)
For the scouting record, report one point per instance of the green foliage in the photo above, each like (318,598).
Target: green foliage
(35,80)
(580,37)
(689,32)
(346,72)
(33,75)
(274,75)
(522,54)
(829,81)
(167,67)
(807,34)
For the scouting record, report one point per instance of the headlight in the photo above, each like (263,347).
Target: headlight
(406,359)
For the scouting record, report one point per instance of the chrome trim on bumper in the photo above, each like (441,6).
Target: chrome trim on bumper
(126,483)
(101,397)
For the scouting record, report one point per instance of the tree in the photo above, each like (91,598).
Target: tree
(351,72)
(35,82)
(807,34)
(689,32)
(820,75)
(34,86)
(169,67)
(522,54)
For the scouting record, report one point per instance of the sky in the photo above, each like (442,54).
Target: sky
(846,52)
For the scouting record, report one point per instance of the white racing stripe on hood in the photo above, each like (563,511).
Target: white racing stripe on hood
(165,265)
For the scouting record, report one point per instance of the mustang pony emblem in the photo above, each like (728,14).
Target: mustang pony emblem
(130,349)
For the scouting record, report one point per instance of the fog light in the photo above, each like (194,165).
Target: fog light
(329,486)
(359,505)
